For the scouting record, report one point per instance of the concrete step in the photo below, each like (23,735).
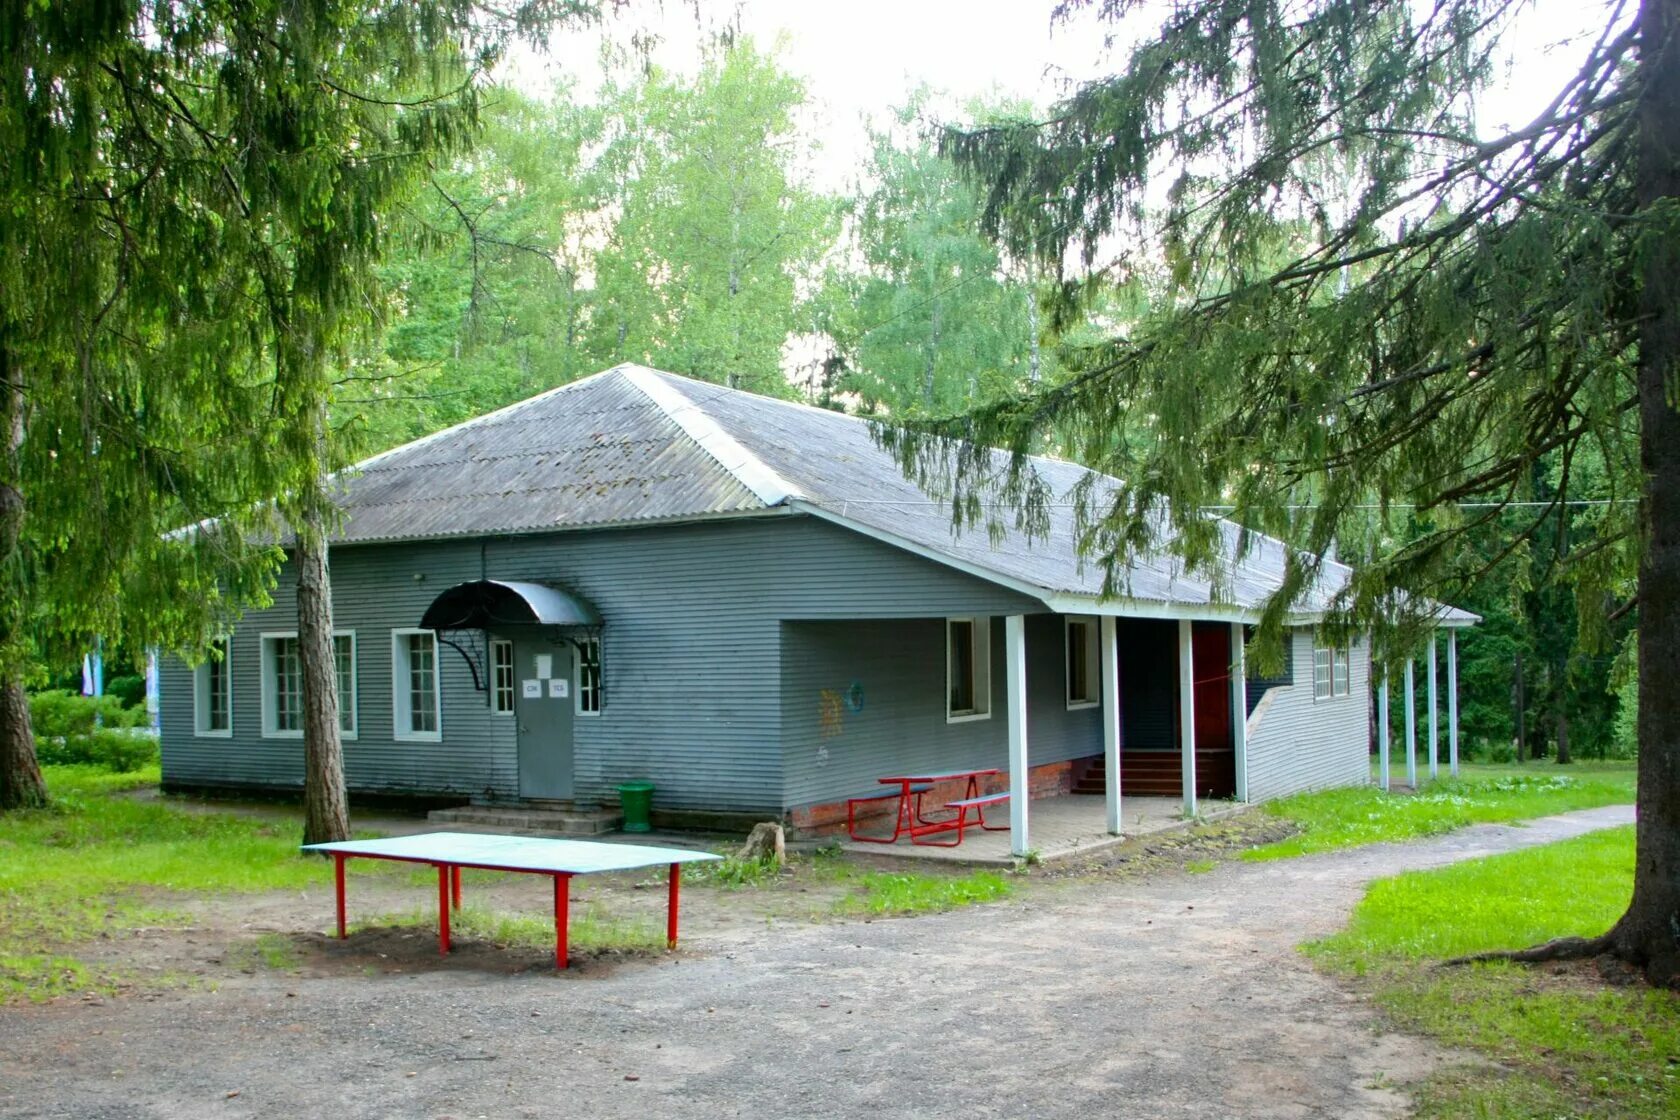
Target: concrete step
(533,820)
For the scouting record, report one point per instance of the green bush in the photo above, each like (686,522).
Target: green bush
(67,731)
(131,690)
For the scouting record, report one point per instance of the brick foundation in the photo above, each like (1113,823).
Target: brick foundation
(828,818)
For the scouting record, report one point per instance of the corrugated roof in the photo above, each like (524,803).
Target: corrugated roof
(633,445)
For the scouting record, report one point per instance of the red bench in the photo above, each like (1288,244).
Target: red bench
(978,804)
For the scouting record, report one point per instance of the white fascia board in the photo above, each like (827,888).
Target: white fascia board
(1071,603)
(751,471)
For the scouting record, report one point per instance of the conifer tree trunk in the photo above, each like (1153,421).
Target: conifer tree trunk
(1649,933)
(21,786)
(326,805)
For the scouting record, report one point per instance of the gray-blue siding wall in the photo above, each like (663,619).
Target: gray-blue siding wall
(691,653)
(837,749)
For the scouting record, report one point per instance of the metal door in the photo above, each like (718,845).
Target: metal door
(543,705)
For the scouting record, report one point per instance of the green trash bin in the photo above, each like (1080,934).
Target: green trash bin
(636,799)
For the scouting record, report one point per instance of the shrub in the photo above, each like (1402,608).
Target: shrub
(131,690)
(66,731)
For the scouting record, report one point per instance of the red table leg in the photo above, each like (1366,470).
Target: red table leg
(671,918)
(455,885)
(338,882)
(562,906)
(443,908)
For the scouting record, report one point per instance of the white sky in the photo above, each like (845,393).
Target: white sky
(862,57)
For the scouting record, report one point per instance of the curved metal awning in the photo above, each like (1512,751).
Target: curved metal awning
(485,604)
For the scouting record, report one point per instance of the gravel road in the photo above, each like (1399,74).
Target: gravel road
(1178,996)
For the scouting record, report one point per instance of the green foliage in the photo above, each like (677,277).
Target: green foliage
(732,871)
(1345,818)
(71,729)
(129,688)
(714,233)
(59,713)
(931,321)
(1561,1048)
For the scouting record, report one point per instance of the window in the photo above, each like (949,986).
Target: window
(213,694)
(282,680)
(282,684)
(501,676)
(344,664)
(414,685)
(1331,672)
(589,676)
(1084,676)
(968,669)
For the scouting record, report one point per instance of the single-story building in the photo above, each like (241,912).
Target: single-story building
(638,576)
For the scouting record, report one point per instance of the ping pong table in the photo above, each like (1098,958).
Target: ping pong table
(561,859)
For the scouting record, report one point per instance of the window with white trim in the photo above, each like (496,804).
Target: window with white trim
(415,687)
(282,687)
(501,676)
(968,669)
(1084,675)
(1332,672)
(282,684)
(344,666)
(589,676)
(213,693)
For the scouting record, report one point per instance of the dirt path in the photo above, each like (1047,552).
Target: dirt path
(1178,996)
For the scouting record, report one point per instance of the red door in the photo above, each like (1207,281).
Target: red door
(1211,647)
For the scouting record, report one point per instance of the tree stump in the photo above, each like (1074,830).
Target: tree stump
(765,842)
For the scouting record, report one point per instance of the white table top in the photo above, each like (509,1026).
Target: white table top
(515,853)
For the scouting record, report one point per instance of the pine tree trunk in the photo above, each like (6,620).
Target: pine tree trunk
(21,786)
(1520,703)
(1649,933)
(1563,758)
(326,806)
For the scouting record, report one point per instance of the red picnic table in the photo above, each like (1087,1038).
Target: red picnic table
(451,851)
(913,821)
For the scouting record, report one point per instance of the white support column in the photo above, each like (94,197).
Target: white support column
(1111,719)
(1411,726)
(1187,715)
(1434,729)
(1239,710)
(1015,673)
(1382,731)
(1452,701)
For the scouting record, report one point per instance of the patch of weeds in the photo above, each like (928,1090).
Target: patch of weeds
(1566,1044)
(880,892)
(732,872)
(1200,866)
(592,929)
(1346,818)
(269,950)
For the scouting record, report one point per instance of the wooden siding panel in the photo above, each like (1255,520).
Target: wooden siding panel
(834,752)
(691,653)
(1303,744)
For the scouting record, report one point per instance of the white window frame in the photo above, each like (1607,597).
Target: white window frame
(270,687)
(981,683)
(270,690)
(402,712)
(497,646)
(201,693)
(1092,683)
(591,691)
(1336,662)
(348,705)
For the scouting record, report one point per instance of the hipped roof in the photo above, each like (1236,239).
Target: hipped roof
(635,446)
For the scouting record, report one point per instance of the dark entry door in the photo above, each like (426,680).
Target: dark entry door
(543,706)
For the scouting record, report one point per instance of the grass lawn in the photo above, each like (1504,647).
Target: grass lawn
(1346,818)
(1561,1043)
(98,864)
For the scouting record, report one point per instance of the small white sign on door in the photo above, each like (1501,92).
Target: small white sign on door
(533,690)
(545,666)
(559,688)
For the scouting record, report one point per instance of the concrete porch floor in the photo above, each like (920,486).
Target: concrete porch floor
(1057,828)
